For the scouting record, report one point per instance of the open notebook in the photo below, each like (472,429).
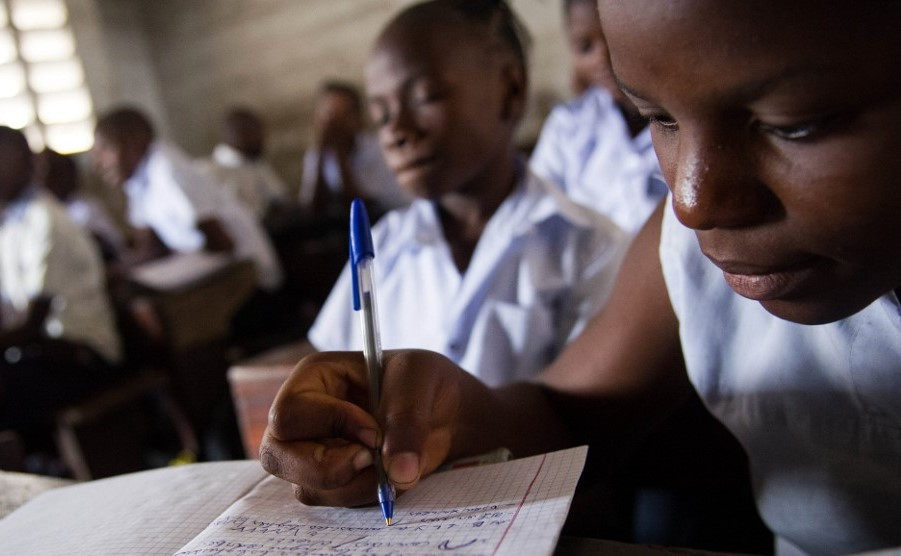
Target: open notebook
(234,508)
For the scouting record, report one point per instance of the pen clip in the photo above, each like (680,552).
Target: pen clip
(360,245)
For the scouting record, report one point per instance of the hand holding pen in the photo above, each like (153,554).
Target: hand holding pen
(362,253)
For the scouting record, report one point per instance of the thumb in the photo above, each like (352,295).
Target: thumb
(419,404)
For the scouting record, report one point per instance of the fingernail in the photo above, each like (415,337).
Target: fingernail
(403,468)
(369,437)
(362,459)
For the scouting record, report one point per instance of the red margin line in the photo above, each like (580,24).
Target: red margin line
(521,503)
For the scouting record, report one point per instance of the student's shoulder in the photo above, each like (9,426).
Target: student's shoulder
(568,227)
(561,207)
(591,106)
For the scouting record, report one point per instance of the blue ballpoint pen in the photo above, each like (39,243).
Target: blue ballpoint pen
(361,254)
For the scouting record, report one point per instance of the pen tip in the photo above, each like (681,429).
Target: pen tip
(388,521)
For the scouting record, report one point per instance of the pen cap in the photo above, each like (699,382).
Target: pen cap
(361,247)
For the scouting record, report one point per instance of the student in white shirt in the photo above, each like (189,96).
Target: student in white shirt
(238,163)
(597,148)
(58,336)
(768,284)
(345,161)
(490,265)
(173,206)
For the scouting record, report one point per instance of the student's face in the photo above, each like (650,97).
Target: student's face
(336,109)
(56,173)
(437,100)
(115,160)
(245,136)
(15,169)
(590,58)
(778,128)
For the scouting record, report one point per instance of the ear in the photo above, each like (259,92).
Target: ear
(515,86)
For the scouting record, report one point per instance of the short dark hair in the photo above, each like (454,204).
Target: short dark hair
(15,138)
(241,115)
(346,88)
(501,22)
(492,19)
(123,122)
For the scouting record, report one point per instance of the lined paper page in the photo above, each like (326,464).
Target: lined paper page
(512,508)
(148,513)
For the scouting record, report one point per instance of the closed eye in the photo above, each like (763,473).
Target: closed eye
(663,121)
(809,130)
(789,132)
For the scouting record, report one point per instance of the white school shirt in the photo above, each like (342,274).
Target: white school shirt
(169,195)
(368,164)
(90,215)
(543,266)
(585,147)
(253,182)
(817,408)
(42,252)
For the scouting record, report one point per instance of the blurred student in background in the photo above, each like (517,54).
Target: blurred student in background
(597,147)
(58,337)
(238,163)
(490,265)
(173,206)
(345,161)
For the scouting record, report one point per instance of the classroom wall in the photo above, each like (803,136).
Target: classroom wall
(188,61)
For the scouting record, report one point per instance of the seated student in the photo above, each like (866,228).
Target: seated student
(173,206)
(768,283)
(58,173)
(237,163)
(58,338)
(597,148)
(489,266)
(345,161)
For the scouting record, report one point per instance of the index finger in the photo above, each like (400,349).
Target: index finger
(323,398)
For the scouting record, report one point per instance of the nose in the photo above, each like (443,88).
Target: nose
(716,183)
(400,128)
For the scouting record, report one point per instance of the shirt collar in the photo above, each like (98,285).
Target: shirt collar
(228,156)
(531,202)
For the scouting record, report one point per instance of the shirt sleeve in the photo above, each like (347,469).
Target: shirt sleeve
(548,160)
(603,253)
(336,327)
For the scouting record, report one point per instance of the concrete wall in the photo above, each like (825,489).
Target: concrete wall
(186,61)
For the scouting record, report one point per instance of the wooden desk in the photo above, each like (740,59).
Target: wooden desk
(194,297)
(254,384)
(169,506)
(197,306)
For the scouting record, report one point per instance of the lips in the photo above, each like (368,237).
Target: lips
(416,163)
(767,283)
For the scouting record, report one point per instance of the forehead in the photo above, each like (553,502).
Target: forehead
(722,44)
(426,44)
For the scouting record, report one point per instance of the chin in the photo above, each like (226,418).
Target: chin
(822,311)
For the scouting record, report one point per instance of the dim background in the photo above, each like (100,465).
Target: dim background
(185,61)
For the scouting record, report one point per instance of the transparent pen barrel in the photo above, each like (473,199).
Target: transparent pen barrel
(372,345)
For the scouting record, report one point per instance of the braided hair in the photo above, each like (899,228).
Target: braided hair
(501,22)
